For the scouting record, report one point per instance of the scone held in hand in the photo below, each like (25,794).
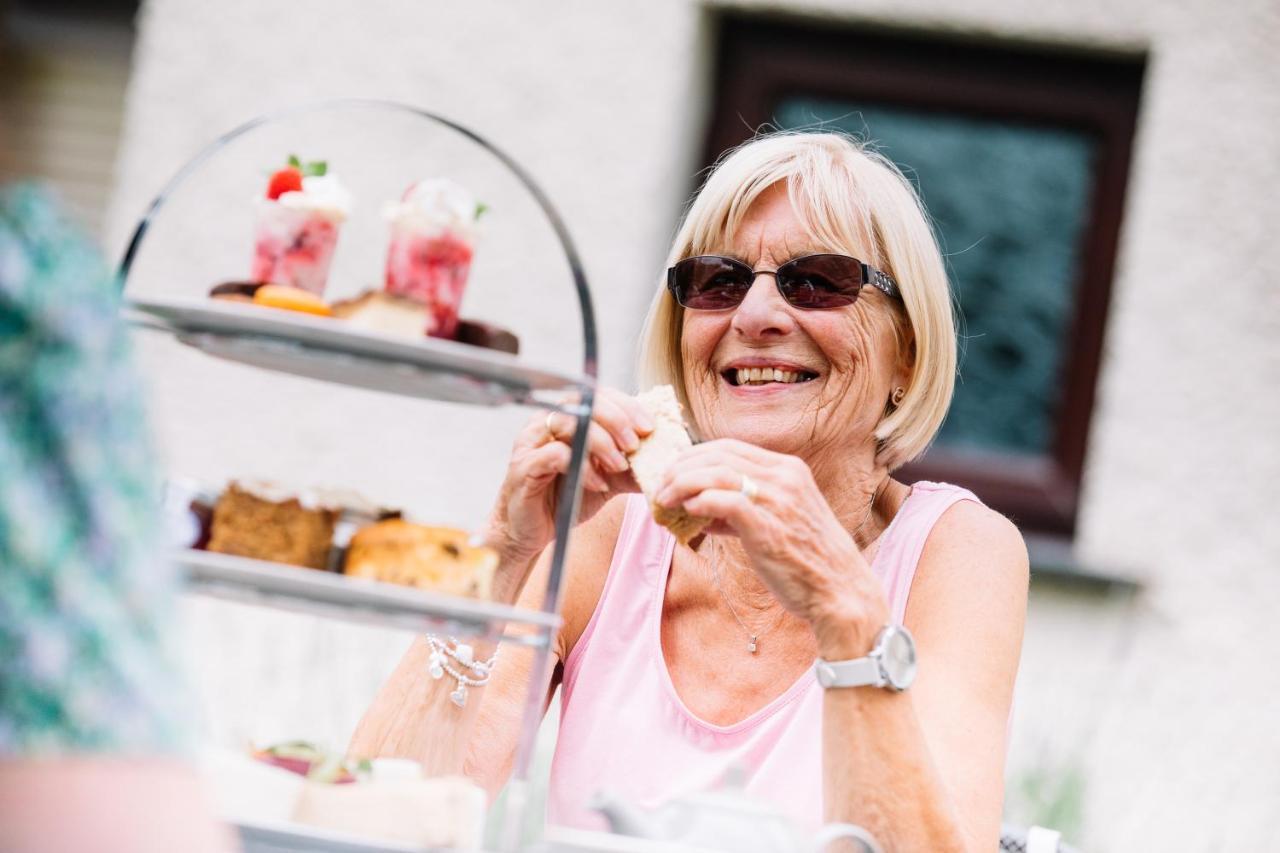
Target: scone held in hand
(657,451)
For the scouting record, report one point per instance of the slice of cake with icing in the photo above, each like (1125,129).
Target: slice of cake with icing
(265,522)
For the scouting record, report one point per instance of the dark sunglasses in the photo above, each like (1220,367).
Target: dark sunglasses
(811,282)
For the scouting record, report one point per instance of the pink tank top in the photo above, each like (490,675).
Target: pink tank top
(624,729)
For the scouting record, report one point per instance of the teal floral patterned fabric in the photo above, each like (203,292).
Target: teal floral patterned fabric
(84,587)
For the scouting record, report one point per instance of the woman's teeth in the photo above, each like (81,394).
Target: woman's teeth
(761,375)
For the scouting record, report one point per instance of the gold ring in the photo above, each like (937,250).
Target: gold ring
(749,488)
(551,433)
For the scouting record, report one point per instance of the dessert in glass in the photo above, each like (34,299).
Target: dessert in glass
(297,227)
(433,231)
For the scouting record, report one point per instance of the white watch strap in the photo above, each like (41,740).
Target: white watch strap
(848,673)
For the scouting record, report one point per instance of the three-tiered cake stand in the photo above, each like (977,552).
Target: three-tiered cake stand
(186,232)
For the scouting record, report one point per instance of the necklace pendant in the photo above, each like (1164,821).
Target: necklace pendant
(751,646)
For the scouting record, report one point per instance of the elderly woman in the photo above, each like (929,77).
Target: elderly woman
(806,324)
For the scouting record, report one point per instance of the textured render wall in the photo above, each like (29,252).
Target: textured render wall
(1165,703)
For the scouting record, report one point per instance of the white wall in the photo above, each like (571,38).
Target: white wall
(1165,702)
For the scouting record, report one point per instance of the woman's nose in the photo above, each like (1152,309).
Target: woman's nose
(763,311)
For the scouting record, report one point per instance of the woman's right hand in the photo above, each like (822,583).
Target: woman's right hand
(523,519)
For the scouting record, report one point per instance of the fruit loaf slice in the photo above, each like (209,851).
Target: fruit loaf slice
(655,455)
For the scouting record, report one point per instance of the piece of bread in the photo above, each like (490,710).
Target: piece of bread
(252,520)
(655,455)
(435,558)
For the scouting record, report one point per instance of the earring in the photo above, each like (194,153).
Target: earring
(898,394)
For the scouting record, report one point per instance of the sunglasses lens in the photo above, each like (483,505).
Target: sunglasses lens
(820,281)
(709,283)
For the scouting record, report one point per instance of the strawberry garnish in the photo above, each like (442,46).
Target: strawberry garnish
(288,179)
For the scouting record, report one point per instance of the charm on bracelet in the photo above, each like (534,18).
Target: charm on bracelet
(475,673)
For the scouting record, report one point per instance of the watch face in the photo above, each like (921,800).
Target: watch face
(899,658)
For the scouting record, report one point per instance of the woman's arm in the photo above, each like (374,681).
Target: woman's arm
(412,716)
(924,769)
(491,748)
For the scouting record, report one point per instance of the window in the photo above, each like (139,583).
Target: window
(64,67)
(1022,158)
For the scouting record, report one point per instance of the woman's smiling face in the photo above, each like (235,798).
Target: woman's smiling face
(786,379)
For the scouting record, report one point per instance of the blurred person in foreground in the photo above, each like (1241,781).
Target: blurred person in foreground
(806,325)
(91,727)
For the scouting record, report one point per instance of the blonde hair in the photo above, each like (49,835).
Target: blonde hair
(852,200)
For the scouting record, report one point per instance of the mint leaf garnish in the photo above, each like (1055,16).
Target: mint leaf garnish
(481,208)
(313,169)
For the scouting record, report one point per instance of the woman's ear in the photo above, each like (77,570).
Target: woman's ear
(906,354)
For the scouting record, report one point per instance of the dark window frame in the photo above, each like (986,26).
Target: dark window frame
(762,60)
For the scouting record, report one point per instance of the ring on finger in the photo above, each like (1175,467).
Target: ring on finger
(749,488)
(549,424)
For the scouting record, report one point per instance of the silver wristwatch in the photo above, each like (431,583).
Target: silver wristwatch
(891,664)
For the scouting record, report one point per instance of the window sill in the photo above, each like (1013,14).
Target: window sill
(1054,563)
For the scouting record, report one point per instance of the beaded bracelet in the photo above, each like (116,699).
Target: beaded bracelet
(464,655)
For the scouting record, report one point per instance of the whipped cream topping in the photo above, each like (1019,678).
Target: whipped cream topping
(322,194)
(313,497)
(436,204)
(266,490)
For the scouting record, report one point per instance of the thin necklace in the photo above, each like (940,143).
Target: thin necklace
(754,636)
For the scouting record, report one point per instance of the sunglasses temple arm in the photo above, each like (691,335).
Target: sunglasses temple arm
(881,281)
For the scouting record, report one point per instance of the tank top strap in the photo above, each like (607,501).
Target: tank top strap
(638,564)
(904,541)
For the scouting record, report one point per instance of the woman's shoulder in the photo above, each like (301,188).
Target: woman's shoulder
(970,543)
(971,523)
(926,491)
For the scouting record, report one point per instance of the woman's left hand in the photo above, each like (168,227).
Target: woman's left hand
(794,540)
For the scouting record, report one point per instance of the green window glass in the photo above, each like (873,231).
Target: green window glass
(1009,202)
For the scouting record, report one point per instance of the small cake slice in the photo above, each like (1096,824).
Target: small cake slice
(395,803)
(405,317)
(378,311)
(435,558)
(656,454)
(259,521)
